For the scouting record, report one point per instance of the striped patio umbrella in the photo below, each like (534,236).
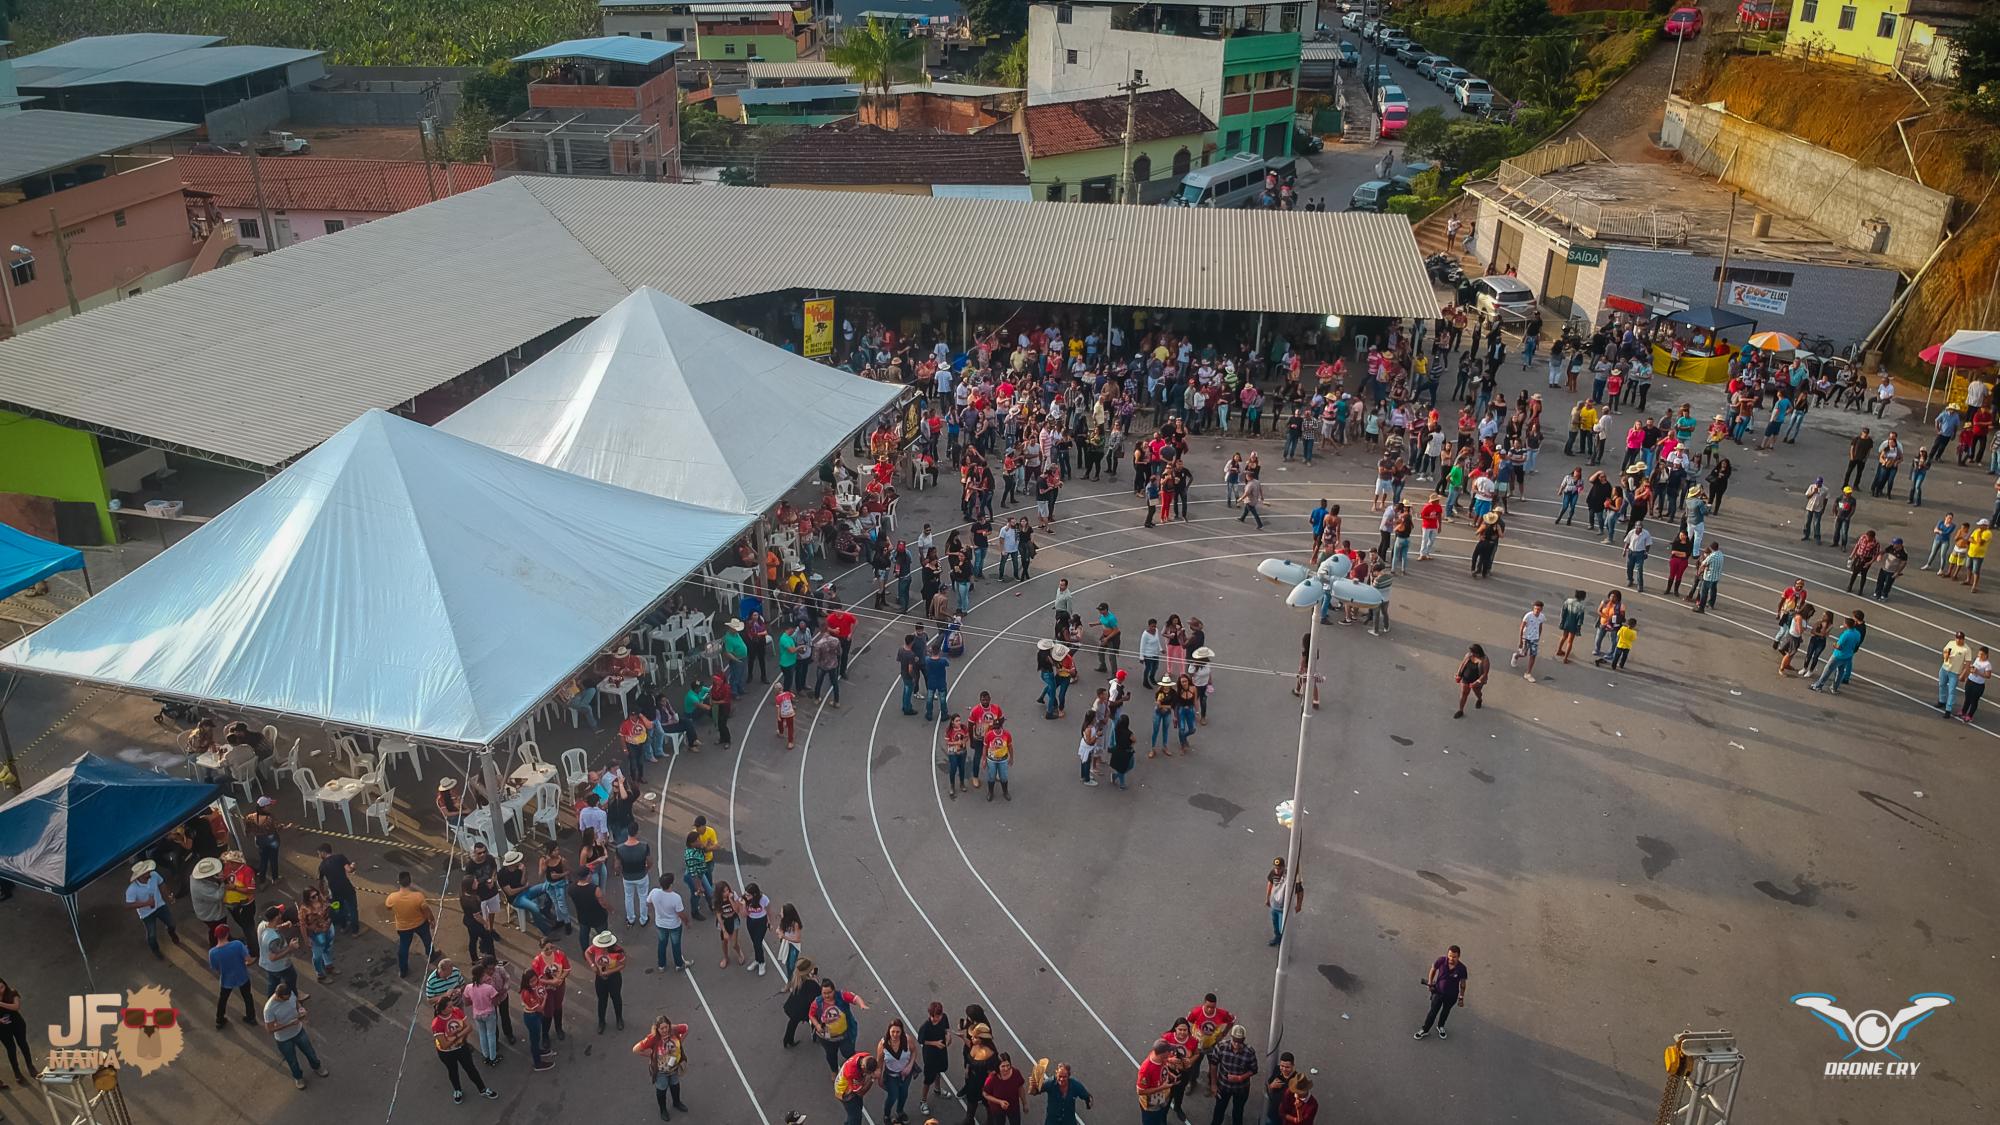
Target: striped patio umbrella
(1774,342)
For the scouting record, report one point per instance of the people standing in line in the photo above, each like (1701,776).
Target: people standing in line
(665,1051)
(1446,983)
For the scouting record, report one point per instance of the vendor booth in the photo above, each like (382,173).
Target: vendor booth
(86,819)
(1696,347)
(1966,351)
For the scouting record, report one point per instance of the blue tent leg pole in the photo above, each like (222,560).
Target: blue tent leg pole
(76,928)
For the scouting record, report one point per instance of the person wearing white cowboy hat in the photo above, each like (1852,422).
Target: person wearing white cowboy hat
(205,893)
(735,656)
(450,804)
(148,897)
(1198,667)
(1163,717)
(607,964)
(1061,672)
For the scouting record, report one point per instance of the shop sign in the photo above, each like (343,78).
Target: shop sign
(1763,298)
(1586,255)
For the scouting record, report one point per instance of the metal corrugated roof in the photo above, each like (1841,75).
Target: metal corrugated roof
(1315,263)
(606,48)
(795,95)
(804,68)
(202,67)
(97,53)
(37,140)
(263,360)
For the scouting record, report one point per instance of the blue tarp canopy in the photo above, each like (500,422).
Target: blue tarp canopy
(89,817)
(26,560)
(1711,318)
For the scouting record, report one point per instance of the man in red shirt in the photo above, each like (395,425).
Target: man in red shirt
(1210,1022)
(1429,517)
(1154,1084)
(840,623)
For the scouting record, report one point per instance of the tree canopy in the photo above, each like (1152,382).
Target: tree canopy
(878,56)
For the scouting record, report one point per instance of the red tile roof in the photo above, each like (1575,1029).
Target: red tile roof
(1058,128)
(865,154)
(325,183)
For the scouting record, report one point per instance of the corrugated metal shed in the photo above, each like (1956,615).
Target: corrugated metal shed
(267,358)
(81,58)
(797,95)
(203,67)
(263,360)
(1351,263)
(804,68)
(606,48)
(37,140)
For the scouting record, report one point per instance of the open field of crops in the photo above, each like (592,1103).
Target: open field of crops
(359,32)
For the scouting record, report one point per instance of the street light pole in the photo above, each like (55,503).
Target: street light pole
(1294,842)
(1674,72)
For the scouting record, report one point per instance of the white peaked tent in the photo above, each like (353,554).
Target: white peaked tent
(1967,347)
(659,397)
(395,579)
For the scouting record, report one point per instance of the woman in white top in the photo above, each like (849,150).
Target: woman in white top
(1086,748)
(898,1061)
(756,918)
(1975,683)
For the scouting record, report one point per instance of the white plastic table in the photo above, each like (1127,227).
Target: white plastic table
(341,791)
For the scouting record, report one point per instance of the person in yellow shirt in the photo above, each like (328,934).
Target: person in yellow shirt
(1628,635)
(410,911)
(1975,552)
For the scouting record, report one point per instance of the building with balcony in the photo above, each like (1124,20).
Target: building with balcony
(234,92)
(123,222)
(1912,36)
(1236,61)
(729,32)
(608,106)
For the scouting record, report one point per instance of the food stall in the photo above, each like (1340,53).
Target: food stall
(1695,346)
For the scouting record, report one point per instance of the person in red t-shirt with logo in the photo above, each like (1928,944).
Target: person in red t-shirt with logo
(1155,1084)
(1210,1022)
(1429,518)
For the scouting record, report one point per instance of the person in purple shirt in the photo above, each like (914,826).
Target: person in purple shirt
(1447,984)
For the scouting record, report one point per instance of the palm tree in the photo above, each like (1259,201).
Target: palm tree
(878,56)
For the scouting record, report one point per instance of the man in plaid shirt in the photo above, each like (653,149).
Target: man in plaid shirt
(1233,1064)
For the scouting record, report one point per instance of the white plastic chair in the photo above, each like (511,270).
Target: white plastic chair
(703,629)
(531,754)
(357,762)
(380,808)
(246,776)
(309,794)
(288,768)
(270,736)
(575,767)
(548,806)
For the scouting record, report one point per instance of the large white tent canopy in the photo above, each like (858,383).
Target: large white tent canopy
(659,397)
(1967,347)
(396,579)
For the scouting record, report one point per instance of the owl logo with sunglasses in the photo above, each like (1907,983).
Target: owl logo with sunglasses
(149,1030)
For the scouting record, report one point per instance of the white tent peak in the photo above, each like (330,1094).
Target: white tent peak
(659,397)
(395,579)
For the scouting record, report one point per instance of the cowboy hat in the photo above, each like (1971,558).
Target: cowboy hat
(1694,492)
(447,783)
(605,940)
(1202,653)
(1045,644)
(1059,652)
(511,858)
(1635,468)
(207,867)
(143,868)
(1166,681)
(1491,517)
(733,625)
(622,650)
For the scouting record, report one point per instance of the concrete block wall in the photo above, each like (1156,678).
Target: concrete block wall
(1838,302)
(1832,191)
(249,119)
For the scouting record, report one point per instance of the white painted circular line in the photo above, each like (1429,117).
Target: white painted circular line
(938,794)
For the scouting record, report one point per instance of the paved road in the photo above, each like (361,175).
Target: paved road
(1625,120)
(1683,845)
(1342,168)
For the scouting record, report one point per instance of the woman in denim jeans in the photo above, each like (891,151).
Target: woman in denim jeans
(316,920)
(1186,698)
(1163,713)
(899,1061)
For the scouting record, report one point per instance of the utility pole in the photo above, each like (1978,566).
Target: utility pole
(1675,71)
(1728,237)
(62,255)
(257,185)
(424,141)
(1128,189)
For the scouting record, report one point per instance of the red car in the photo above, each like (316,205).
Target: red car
(1683,23)
(1763,15)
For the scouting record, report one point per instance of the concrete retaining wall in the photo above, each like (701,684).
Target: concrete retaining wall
(1835,192)
(249,119)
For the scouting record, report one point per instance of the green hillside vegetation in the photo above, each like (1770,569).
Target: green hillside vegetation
(357,32)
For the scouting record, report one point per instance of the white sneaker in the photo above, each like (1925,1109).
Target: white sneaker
(760,968)
(1092,782)
(1528,676)
(1513,660)
(753,966)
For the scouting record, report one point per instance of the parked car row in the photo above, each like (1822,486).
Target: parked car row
(1473,95)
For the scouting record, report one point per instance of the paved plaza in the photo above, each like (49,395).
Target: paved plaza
(1683,844)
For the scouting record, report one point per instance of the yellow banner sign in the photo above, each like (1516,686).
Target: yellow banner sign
(819,328)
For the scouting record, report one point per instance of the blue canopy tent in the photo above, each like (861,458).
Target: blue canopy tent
(87,818)
(26,560)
